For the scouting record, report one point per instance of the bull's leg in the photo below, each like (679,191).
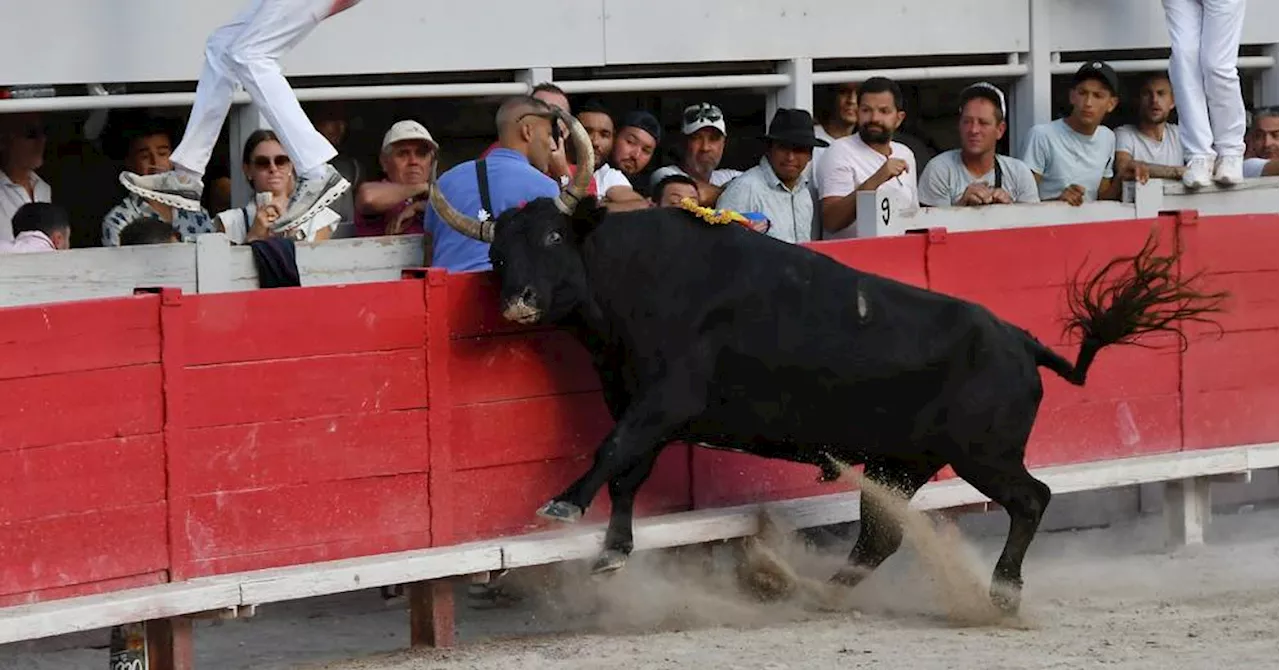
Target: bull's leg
(644,428)
(618,541)
(1024,498)
(881,532)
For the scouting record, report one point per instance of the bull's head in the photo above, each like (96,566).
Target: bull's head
(535,250)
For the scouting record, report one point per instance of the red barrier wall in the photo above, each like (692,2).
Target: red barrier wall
(168,436)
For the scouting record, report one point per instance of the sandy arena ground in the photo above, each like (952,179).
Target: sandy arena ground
(1108,597)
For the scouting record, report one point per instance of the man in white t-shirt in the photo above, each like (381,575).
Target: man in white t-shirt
(1153,147)
(612,186)
(704,138)
(840,121)
(1262,144)
(867,160)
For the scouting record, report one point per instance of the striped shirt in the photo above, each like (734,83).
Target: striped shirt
(187,224)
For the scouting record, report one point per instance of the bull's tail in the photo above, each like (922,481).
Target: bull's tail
(1129,297)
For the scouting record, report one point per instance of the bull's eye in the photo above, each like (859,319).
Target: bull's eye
(554,237)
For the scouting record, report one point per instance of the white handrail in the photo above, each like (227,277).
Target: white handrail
(1158,64)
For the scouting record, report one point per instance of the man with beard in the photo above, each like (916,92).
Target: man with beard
(975,174)
(395,205)
(1263,146)
(615,189)
(637,139)
(705,134)
(1072,157)
(779,187)
(867,160)
(1153,147)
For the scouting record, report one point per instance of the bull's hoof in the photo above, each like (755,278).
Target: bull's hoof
(608,562)
(850,576)
(1006,597)
(559,510)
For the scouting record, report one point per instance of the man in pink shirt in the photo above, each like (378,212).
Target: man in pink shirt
(248,50)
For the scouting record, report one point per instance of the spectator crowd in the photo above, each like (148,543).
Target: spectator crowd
(803,186)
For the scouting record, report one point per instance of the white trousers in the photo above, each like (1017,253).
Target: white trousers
(248,50)
(1206,85)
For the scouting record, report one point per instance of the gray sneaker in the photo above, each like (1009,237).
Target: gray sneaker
(173,188)
(311,196)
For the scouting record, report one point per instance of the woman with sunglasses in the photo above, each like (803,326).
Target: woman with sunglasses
(270,172)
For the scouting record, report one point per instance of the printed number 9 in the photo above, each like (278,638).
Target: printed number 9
(884,211)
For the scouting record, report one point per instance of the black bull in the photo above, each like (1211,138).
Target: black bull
(715,334)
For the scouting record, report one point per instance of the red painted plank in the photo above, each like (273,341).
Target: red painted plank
(901,258)
(724,478)
(1233,243)
(501,501)
(82,477)
(1246,360)
(1119,371)
(474,307)
(998,260)
(517,431)
(82,335)
(1253,303)
(86,589)
(262,325)
(268,455)
(332,551)
(247,522)
(1097,431)
(67,550)
(241,393)
(511,367)
(80,406)
(1231,418)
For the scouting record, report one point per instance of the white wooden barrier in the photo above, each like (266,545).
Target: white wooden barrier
(1186,474)
(879,217)
(211,265)
(1254,196)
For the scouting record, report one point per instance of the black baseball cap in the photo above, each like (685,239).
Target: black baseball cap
(1096,69)
(644,121)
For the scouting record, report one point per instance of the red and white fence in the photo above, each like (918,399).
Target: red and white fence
(168,454)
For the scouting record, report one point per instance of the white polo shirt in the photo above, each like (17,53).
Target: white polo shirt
(14,196)
(849,162)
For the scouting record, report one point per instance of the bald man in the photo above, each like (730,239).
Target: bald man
(515,174)
(247,50)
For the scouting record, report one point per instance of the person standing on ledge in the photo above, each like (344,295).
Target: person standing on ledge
(248,50)
(1205,35)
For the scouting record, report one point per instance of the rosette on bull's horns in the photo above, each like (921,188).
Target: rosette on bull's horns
(471,227)
(577,189)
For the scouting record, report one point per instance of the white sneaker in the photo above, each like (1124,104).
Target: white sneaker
(311,196)
(173,188)
(1230,170)
(1197,174)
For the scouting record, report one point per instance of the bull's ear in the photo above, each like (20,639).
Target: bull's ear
(586,216)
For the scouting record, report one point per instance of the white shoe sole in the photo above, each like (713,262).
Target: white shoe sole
(1224,180)
(161,197)
(327,198)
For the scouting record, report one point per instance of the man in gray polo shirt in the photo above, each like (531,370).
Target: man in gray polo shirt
(779,187)
(1073,157)
(974,174)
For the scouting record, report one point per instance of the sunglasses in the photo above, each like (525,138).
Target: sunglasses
(702,112)
(264,162)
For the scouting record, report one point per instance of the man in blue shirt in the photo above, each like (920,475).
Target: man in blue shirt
(514,173)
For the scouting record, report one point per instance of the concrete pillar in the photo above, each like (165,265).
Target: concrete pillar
(534,76)
(244,120)
(796,95)
(1267,93)
(1031,97)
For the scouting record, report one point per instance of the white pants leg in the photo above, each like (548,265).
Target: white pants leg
(1219,52)
(1184,19)
(213,95)
(276,27)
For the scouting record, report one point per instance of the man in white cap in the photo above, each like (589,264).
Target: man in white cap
(1205,36)
(394,206)
(704,133)
(247,51)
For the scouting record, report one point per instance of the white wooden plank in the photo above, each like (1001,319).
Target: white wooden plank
(79,274)
(358,259)
(318,579)
(213,263)
(59,617)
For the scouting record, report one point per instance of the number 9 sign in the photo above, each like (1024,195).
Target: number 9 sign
(884,211)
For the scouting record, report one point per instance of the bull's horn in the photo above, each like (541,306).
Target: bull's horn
(473,228)
(577,190)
